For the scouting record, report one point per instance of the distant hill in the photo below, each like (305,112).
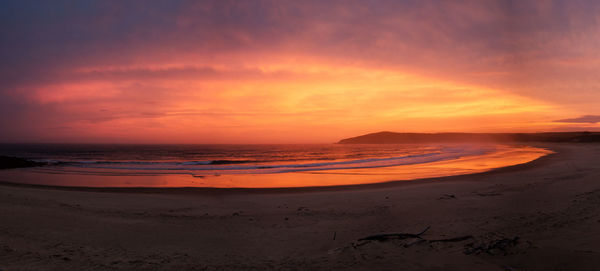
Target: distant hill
(394,138)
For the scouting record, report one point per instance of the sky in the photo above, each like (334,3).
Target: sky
(294,71)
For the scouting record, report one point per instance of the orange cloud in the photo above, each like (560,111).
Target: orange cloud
(301,71)
(277,102)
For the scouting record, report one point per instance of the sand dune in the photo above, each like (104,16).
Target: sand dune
(540,216)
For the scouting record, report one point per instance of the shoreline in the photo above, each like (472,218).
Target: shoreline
(524,217)
(540,161)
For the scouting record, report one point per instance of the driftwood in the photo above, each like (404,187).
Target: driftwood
(388,236)
(455,239)
(448,196)
(400,236)
(494,247)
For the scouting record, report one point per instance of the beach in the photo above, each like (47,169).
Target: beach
(542,215)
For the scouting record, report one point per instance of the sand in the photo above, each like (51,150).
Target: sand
(544,215)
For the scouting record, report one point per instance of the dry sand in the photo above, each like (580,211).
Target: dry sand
(544,215)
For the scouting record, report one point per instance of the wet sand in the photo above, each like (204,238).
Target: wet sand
(544,215)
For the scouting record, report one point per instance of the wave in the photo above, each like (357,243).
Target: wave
(226,166)
(146,163)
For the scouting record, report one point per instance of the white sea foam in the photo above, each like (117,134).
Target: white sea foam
(277,166)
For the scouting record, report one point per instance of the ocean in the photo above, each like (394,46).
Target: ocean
(253,165)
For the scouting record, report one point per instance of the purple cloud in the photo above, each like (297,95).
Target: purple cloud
(582,119)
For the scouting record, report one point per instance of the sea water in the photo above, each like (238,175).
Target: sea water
(253,166)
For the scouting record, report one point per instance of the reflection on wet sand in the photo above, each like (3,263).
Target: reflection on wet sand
(506,156)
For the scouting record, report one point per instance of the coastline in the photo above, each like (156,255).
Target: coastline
(377,177)
(534,213)
(307,189)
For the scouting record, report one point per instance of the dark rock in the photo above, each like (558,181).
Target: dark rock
(7,162)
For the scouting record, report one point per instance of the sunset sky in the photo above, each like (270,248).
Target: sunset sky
(294,71)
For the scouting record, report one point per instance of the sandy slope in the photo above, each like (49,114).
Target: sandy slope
(540,216)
